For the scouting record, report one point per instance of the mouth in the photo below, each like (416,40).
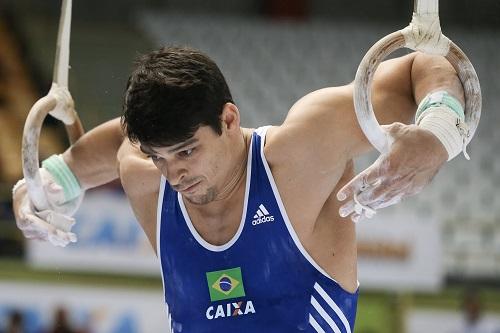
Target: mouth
(189,188)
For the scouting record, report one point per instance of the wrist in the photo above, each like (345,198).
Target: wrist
(435,149)
(63,176)
(443,116)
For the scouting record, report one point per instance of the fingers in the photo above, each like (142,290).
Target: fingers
(347,209)
(404,170)
(375,195)
(53,188)
(45,225)
(355,206)
(32,232)
(367,200)
(53,191)
(355,217)
(360,208)
(47,232)
(35,228)
(381,197)
(369,177)
(357,210)
(363,183)
(61,238)
(57,220)
(24,209)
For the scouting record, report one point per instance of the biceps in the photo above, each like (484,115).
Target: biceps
(392,99)
(392,93)
(313,133)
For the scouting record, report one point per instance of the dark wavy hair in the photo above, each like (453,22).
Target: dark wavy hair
(170,94)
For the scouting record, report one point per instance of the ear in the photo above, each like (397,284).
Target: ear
(230,117)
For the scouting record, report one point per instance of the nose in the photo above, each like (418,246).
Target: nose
(174,173)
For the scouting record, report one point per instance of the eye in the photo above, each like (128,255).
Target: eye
(187,152)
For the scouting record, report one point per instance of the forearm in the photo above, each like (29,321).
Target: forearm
(433,73)
(400,84)
(417,152)
(93,158)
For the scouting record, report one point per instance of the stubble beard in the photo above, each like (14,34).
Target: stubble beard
(203,199)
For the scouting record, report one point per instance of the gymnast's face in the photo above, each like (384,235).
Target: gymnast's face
(199,167)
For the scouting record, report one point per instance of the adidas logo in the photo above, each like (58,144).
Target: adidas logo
(262,216)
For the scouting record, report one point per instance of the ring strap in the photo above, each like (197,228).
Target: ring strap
(426,7)
(63,176)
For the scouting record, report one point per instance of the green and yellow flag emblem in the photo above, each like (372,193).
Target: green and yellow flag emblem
(225,284)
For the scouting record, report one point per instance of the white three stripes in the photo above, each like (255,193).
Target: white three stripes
(315,324)
(324,315)
(334,307)
(262,211)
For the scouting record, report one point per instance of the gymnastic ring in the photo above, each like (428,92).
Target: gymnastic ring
(31,137)
(363,81)
(58,94)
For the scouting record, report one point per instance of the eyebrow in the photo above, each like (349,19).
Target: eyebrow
(148,150)
(183,145)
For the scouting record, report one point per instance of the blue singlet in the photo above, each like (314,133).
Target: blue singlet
(261,281)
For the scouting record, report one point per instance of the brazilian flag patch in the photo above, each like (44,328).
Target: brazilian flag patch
(225,284)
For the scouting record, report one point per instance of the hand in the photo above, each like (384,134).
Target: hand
(415,157)
(53,224)
(65,107)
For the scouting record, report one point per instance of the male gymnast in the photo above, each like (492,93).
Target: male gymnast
(253,226)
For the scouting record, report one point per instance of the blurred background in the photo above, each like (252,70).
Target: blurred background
(431,264)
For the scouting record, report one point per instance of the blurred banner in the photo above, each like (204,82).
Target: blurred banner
(96,310)
(399,252)
(441,321)
(396,252)
(109,240)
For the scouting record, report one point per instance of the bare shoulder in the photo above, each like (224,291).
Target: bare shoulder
(305,155)
(311,124)
(138,174)
(310,147)
(325,119)
(141,181)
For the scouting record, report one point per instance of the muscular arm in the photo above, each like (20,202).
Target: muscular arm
(431,73)
(321,133)
(93,158)
(398,86)
(397,91)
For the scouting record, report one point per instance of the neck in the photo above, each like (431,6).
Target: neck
(237,177)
